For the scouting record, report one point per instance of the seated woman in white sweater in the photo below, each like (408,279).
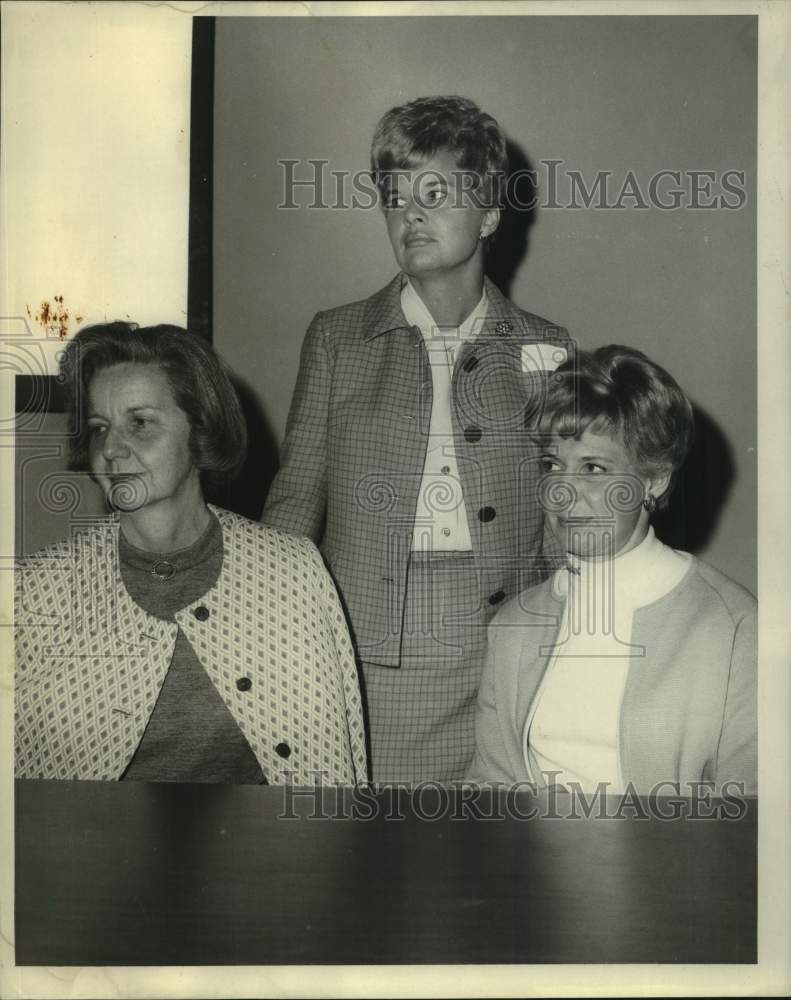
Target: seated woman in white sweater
(634,667)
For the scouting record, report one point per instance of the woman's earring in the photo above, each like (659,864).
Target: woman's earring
(650,503)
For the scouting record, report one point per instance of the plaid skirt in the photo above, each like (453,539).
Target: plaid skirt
(421,715)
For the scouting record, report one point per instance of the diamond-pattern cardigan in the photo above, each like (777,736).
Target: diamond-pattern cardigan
(90,663)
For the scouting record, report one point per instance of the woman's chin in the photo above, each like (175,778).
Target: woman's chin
(591,553)
(126,494)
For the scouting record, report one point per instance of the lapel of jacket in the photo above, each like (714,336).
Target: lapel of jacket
(405,363)
(503,318)
(488,399)
(383,311)
(502,331)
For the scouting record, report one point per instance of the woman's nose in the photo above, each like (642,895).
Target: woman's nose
(580,496)
(414,212)
(115,445)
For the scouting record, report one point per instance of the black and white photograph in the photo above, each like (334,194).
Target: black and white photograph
(395,416)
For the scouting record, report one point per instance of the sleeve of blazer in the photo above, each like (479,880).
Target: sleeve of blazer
(298,496)
(490,764)
(737,755)
(347,668)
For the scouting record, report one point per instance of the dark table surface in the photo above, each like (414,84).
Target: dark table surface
(142,874)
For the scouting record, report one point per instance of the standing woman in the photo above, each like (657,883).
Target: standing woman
(405,453)
(174,640)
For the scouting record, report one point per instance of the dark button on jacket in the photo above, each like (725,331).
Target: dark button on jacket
(486,514)
(496,597)
(244,683)
(283,750)
(473,434)
(201,613)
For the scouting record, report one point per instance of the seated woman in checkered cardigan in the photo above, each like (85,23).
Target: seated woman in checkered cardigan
(173,640)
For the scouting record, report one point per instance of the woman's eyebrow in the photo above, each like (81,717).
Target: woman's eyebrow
(130,409)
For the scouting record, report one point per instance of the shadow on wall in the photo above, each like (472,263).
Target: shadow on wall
(702,487)
(246,493)
(511,242)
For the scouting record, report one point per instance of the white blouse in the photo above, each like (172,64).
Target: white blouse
(441,518)
(572,730)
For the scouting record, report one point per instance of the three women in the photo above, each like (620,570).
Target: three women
(428,445)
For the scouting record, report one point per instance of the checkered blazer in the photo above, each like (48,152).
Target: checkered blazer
(90,663)
(355,445)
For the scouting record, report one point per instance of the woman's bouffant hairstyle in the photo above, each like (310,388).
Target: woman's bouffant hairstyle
(197,377)
(411,133)
(617,389)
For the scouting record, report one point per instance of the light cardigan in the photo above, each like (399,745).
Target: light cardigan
(90,662)
(572,728)
(689,705)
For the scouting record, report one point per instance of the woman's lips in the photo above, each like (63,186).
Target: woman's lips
(417,241)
